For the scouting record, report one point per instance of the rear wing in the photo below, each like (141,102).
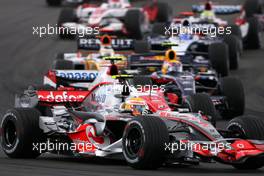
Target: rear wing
(148,62)
(59,96)
(70,78)
(95,43)
(219,9)
(32,97)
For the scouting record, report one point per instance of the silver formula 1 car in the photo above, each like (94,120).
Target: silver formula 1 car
(115,120)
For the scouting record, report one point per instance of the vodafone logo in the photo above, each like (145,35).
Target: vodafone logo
(62,96)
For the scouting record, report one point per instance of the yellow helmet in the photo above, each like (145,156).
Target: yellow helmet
(172,63)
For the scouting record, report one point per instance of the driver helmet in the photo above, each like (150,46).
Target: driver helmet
(106,48)
(171,63)
(137,106)
(208,6)
(208,13)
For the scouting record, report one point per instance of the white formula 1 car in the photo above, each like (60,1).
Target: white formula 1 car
(116,17)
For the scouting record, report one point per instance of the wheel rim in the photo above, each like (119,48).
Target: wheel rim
(133,142)
(10,134)
(238,130)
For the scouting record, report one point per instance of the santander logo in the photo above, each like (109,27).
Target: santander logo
(62,96)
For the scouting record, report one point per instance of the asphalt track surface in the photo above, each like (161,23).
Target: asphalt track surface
(26,57)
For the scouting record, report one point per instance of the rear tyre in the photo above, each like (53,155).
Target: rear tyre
(218,54)
(20,127)
(233,90)
(253,39)
(164,12)
(53,2)
(202,102)
(134,21)
(144,142)
(158,29)
(236,31)
(63,65)
(248,127)
(66,15)
(234,53)
(252,7)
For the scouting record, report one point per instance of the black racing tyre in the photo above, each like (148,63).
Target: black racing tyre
(164,12)
(234,53)
(202,102)
(232,88)
(63,65)
(53,2)
(158,29)
(219,57)
(144,142)
(248,127)
(134,21)
(141,46)
(252,7)
(253,39)
(236,31)
(20,129)
(66,15)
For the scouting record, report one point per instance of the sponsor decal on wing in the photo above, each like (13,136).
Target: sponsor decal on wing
(62,96)
(77,74)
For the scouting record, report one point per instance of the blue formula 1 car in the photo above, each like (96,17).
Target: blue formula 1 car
(182,79)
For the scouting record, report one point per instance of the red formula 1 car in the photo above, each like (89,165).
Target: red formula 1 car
(118,118)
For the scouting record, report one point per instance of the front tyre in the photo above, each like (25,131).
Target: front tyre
(248,127)
(252,7)
(164,12)
(135,23)
(219,57)
(253,40)
(20,131)
(67,15)
(233,44)
(144,142)
(202,102)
